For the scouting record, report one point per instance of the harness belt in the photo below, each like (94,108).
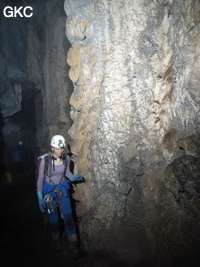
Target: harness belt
(56,195)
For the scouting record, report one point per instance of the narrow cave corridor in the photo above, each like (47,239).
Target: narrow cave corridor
(120,81)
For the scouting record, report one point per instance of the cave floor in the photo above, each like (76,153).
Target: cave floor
(25,239)
(25,236)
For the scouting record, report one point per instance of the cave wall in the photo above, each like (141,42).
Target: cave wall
(58,87)
(34,87)
(47,67)
(17,92)
(135,69)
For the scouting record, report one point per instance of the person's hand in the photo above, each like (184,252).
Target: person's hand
(42,204)
(76,178)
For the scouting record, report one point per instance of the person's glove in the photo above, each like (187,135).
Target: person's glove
(42,204)
(76,178)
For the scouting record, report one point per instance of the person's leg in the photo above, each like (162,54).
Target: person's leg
(67,216)
(54,225)
(71,228)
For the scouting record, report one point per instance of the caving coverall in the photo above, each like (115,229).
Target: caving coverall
(56,186)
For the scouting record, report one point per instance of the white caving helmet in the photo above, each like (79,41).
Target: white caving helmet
(58,141)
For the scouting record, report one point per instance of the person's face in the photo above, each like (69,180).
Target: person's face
(57,151)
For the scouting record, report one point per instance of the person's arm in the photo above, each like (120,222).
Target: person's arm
(40,179)
(68,172)
(40,186)
(72,177)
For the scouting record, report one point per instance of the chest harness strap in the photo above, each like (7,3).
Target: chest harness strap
(59,191)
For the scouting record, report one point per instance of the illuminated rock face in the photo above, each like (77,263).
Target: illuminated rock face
(135,69)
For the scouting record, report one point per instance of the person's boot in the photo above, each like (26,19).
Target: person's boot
(74,246)
(56,242)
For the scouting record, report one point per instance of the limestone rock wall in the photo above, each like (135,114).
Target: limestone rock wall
(135,68)
(34,87)
(17,92)
(33,65)
(47,67)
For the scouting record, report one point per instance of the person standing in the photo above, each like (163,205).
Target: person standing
(18,156)
(53,195)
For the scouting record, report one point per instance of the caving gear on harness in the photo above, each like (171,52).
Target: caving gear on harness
(43,156)
(75,178)
(59,200)
(48,200)
(42,205)
(55,193)
(58,141)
